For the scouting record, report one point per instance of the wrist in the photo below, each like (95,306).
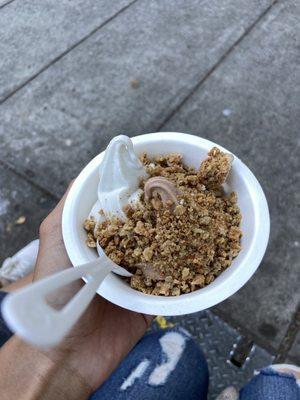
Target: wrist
(28,374)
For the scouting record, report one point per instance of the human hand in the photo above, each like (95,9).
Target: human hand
(105,333)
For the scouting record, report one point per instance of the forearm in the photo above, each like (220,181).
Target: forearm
(28,374)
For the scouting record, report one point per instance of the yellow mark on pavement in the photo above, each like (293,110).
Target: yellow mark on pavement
(163,323)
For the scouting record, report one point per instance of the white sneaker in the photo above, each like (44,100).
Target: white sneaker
(229,393)
(288,369)
(19,265)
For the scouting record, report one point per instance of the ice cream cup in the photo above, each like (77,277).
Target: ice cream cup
(255,227)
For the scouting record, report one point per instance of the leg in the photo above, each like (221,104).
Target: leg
(163,365)
(271,385)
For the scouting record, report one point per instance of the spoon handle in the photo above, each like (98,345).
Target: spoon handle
(28,314)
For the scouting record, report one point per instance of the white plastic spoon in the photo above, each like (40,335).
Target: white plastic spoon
(26,311)
(28,314)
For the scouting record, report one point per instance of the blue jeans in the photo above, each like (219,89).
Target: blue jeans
(170,365)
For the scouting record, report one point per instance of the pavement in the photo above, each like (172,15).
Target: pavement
(75,74)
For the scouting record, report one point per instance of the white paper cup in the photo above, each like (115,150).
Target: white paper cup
(255,227)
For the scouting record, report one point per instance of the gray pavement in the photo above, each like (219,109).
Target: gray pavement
(294,331)
(3,3)
(66,75)
(34,34)
(19,198)
(260,85)
(72,109)
(295,350)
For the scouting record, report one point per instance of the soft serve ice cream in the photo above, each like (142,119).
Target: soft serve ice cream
(119,178)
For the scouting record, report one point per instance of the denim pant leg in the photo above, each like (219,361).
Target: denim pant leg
(5,333)
(271,385)
(163,365)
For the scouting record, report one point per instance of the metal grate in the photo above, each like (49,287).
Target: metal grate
(232,359)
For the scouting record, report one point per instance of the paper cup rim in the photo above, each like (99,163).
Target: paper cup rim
(185,303)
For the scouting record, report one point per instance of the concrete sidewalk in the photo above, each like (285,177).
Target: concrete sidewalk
(75,74)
